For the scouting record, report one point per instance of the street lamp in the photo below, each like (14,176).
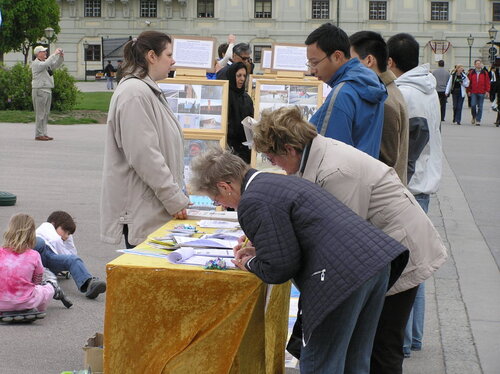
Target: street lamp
(470,41)
(49,34)
(492,32)
(85,48)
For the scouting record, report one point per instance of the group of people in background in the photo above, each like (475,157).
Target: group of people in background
(362,169)
(475,85)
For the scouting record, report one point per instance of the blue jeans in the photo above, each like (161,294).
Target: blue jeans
(109,83)
(476,105)
(415,327)
(458,103)
(57,263)
(343,342)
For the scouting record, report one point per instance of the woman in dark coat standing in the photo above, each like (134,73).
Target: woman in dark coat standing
(240,106)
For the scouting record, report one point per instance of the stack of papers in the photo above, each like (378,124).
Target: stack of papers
(193,256)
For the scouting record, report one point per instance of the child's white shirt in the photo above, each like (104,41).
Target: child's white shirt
(48,233)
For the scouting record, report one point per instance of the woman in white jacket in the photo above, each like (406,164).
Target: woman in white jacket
(457,84)
(143,173)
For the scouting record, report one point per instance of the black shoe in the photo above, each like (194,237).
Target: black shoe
(27,315)
(59,294)
(95,287)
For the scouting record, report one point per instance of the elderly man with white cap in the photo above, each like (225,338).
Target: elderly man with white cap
(42,85)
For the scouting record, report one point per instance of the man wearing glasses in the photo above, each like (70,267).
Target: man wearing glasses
(241,53)
(353,112)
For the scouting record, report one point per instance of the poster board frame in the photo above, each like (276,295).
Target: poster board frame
(257,160)
(209,63)
(276,48)
(263,52)
(221,98)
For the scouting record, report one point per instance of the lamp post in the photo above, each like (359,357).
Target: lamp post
(492,32)
(85,48)
(49,34)
(470,41)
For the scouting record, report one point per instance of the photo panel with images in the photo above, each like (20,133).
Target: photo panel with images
(192,148)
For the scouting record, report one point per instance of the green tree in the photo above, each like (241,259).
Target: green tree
(24,23)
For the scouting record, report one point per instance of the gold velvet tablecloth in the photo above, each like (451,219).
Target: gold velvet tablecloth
(166,318)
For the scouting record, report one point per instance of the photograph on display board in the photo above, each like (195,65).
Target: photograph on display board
(192,148)
(271,95)
(196,105)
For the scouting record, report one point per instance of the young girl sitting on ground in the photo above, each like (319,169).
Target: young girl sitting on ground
(22,294)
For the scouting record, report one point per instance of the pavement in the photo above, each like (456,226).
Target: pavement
(462,298)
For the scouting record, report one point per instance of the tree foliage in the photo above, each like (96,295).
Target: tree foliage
(24,24)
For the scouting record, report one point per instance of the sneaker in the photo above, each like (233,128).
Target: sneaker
(478,124)
(59,294)
(95,287)
(27,315)
(458,123)
(473,120)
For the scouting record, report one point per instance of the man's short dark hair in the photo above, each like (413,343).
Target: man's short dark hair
(329,39)
(441,63)
(221,51)
(62,219)
(403,49)
(370,43)
(241,48)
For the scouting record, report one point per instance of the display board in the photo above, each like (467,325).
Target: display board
(274,94)
(193,52)
(266,58)
(289,57)
(199,104)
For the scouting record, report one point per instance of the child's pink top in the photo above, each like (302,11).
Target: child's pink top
(19,273)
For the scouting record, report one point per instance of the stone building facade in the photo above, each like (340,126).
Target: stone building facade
(96,23)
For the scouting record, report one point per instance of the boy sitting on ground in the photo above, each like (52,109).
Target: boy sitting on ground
(55,244)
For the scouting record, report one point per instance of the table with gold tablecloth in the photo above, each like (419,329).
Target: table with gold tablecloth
(166,318)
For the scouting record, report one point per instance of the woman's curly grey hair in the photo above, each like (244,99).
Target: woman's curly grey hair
(215,165)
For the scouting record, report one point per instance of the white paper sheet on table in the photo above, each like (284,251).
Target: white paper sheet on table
(205,243)
(216,224)
(200,256)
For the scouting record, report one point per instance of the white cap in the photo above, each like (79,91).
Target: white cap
(39,49)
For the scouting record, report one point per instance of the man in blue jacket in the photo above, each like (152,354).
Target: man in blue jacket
(354,111)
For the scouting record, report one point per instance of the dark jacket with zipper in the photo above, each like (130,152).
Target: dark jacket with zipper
(302,232)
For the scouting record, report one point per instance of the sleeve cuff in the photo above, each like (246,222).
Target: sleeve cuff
(247,265)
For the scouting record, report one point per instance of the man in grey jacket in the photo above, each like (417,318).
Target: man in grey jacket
(442,75)
(42,85)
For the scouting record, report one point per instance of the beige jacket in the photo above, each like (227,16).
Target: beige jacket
(394,145)
(374,191)
(143,163)
(41,76)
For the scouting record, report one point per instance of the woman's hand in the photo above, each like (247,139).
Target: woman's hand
(181,214)
(242,255)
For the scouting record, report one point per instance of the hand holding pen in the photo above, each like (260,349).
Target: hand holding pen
(243,252)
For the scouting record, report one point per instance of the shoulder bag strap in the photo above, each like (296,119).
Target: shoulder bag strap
(326,119)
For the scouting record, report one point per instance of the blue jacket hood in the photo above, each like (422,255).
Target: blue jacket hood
(362,79)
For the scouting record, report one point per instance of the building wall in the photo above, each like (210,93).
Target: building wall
(291,22)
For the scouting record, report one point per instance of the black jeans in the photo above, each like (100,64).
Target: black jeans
(442,102)
(387,353)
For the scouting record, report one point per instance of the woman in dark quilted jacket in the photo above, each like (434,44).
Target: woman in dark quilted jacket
(341,264)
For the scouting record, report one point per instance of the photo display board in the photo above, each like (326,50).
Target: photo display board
(274,94)
(193,52)
(199,104)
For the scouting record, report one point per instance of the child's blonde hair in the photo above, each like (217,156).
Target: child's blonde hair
(20,235)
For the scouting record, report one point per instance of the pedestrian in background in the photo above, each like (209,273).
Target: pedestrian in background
(109,72)
(143,171)
(442,76)
(456,86)
(479,88)
(41,87)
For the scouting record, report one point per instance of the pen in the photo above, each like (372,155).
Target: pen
(245,243)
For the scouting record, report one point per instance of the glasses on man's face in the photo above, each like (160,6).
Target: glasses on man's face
(313,64)
(243,58)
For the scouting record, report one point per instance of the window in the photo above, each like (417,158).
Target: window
(257,52)
(263,9)
(496,12)
(439,11)
(205,8)
(378,10)
(148,8)
(93,52)
(321,9)
(92,8)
